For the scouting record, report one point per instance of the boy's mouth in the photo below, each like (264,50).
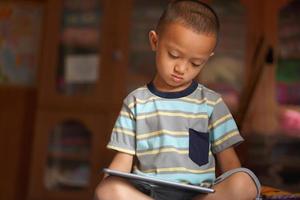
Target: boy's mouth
(176,78)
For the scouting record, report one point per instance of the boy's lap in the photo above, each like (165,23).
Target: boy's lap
(166,193)
(163,193)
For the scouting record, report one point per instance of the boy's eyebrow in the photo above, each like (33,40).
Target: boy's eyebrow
(198,59)
(174,47)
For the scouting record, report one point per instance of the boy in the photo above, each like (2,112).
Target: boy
(173,127)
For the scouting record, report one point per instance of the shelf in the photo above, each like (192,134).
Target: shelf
(68,156)
(57,179)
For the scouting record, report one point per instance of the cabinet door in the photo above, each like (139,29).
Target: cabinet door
(144,17)
(68,154)
(72,73)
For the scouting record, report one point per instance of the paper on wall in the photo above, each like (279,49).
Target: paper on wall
(82,68)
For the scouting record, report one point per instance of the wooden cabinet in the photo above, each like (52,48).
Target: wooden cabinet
(79,96)
(141,64)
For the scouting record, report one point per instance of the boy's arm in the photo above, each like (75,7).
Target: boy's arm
(228,159)
(122,162)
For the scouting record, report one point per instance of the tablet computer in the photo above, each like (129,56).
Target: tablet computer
(156,181)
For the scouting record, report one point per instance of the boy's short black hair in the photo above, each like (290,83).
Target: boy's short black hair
(193,14)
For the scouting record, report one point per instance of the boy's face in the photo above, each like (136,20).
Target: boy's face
(181,54)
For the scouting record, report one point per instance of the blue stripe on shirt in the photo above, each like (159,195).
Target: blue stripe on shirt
(181,106)
(224,128)
(125,122)
(162,141)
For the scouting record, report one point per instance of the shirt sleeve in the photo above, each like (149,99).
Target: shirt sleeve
(123,134)
(222,128)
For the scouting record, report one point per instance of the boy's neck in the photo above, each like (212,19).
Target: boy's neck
(172,93)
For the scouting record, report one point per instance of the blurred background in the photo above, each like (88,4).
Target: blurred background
(66,65)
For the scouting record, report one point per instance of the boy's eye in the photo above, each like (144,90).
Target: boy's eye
(172,55)
(197,64)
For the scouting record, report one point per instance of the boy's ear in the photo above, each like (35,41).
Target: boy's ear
(153,39)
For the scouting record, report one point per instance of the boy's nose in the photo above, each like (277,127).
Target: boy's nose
(181,68)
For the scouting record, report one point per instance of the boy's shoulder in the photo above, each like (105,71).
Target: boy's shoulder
(207,93)
(140,93)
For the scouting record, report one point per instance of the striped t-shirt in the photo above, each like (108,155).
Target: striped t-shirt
(174,135)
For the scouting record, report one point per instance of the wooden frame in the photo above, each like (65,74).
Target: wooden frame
(48,94)
(46,121)
(96,111)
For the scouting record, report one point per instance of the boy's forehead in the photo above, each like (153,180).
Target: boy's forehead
(183,37)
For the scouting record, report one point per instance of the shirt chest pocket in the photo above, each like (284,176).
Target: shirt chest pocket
(198,147)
